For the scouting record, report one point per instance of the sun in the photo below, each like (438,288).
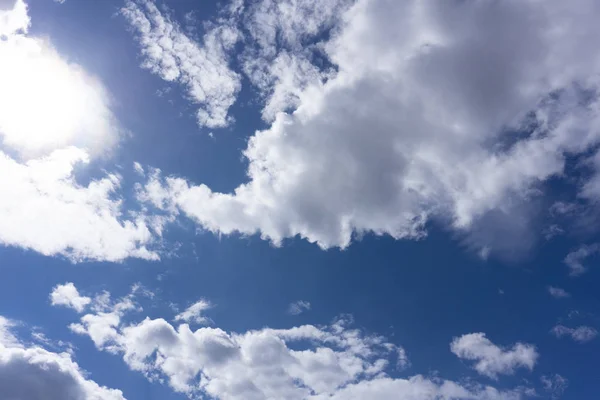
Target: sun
(48,103)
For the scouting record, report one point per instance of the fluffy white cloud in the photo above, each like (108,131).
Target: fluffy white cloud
(13,17)
(492,360)
(202,68)
(56,118)
(194,313)
(558,293)
(420,388)
(103,323)
(298,307)
(456,112)
(303,362)
(67,295)
(46,210)
(581,334)
(33,373)
(575,259)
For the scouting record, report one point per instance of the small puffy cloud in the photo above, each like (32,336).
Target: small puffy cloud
(33,373)
(555,385)
(492,360)
(172,55)
(575,259)
(298,307)
(558,293)
(194,313)
(60,345)
(67,295)
(300,363)
(581,334)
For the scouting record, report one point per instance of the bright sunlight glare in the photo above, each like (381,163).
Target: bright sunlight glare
(47,103)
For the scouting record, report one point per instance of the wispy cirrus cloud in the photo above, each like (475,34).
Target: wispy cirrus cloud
(558,293)
(581,334)
(202,68)
(298,307)
(575,259)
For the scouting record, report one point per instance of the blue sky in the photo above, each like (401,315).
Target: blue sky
(354,199)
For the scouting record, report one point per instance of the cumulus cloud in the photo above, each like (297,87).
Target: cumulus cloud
(193,314)
(451,112)
(34,373)
(54,119)
(175,57)
(46,210)
(492,360)
(581,334)
(303,362)
(67,295)
(298,307)
(558,293)
(575,259)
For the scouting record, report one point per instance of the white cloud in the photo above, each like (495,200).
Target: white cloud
(67,295)
(49,344)
(13,17)
(575,259)
(303,362)
(46,210)
(555,385)
(285,39)
(34,373)
(558,293)
(416,125)
(492,360)
(298,307)
(581,334)
(419,388)
(56,118)
(6,336)
(202,68)
(103,323)
(137,167)
(193,314)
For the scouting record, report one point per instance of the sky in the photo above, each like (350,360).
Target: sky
(299,199)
